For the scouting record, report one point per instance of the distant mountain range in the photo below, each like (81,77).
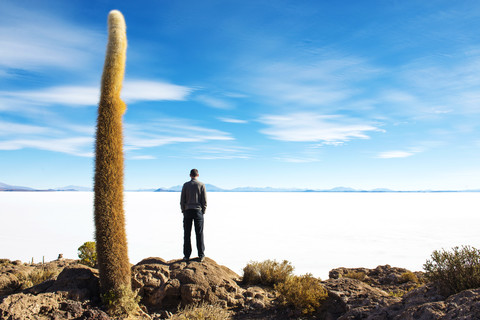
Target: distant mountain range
(212,188)
(7,187)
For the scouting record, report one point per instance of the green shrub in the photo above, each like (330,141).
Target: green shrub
(455,270)
(408,277)
(304,293)
(356,275)
(268,272)
(202,311)
(87,253)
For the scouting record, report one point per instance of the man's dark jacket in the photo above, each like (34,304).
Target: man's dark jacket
(194,196)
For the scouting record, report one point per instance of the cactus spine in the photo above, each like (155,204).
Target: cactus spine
(112,251)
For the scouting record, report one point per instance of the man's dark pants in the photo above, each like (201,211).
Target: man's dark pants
(195,216)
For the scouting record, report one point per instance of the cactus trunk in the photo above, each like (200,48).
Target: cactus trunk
(110,235)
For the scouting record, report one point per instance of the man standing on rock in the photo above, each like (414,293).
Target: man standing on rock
(193,202)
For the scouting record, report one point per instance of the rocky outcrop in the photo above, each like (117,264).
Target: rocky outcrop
(22,306)
(390,279)
(165,285)
(74,294)
(426,303)
(383,293)
(351,298)
(373,298)
(16,276)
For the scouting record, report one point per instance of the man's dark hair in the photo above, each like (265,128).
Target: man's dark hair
(193,173)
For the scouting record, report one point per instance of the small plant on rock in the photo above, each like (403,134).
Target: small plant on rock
(455,270)
(202,311)
(304,293)
(87,253)
(268,272)
(408,277)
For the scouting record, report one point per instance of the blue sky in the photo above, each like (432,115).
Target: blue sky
(307,94)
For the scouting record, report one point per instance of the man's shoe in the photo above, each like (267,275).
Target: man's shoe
(186,258)
(201,259)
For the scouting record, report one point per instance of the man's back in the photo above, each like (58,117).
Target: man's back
(194,196)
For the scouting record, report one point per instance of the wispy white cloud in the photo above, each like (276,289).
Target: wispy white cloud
(33,40)
(169,131)
(64,95)
(292,159)
(222,152)
(144,157)
(232,120)
(79,139)
(134,91)
(445,85)
(11,128)
(141,90)
(77,146)
(311,127)
(325,79)
(215,102)
(331,143)
(395,154)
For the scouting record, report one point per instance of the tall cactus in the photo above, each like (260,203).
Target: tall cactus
(112,252)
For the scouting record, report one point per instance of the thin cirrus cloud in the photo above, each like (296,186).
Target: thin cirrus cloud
(232,120)
(222,152)
(169,131)
(395,154)
(291,159)
(324,80)
(75,140)
(142,157)
(214,102)
(77,146)
(311,127)
(33,40)
(78,140)
(133,91)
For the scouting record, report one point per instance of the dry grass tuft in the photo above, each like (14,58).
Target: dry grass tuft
(202,311)
(304,293)
(408,277)
(268,272)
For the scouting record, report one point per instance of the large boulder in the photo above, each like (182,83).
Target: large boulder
(47,306)
(426,303)
(164,285)
(16,276)
(353,299)
(73,295)
(390,279)
(384,294)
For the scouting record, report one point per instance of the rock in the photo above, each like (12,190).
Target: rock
(425,303)
(78,282)
(73,294)
(15,276)
(165,285)
(387,278)
(353,299)
(51,305)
